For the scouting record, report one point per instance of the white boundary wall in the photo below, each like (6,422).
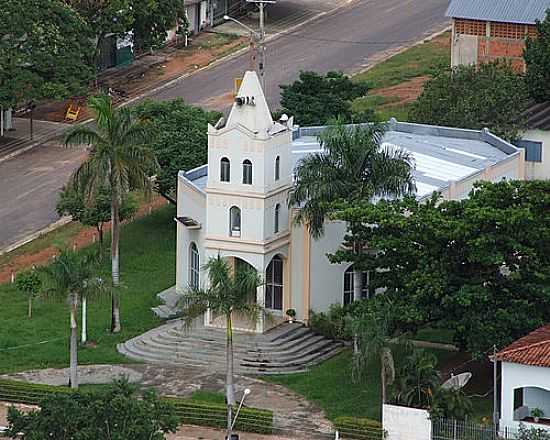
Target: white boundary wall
(403,423)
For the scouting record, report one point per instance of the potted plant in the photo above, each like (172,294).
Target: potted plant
(291,313)
(537,413)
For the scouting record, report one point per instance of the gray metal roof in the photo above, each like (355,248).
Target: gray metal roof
(441,154)
(507,11)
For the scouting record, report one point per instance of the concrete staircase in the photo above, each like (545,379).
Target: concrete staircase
(288,348)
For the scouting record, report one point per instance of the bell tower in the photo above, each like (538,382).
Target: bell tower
(249,173)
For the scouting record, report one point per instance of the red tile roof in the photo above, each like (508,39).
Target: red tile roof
(533,349)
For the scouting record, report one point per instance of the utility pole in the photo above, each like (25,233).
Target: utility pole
(495,400)
(261,43)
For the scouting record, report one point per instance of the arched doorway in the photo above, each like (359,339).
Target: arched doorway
(274,282)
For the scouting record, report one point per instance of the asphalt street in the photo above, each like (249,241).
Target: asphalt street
(345,39)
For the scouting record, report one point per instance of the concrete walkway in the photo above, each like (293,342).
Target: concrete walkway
(293,415)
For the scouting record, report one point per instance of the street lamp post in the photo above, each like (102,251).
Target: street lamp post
(231,422)
(259,36)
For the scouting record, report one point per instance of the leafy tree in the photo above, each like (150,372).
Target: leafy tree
(374,345)
(179,138)
(94,211)
(120,159)
(230,291)
(455,263)
(154,18)
(537,59)
(30,284)
(316,99)
(353,167)
(70,277)
(116,413)
(417,378)
(474,97)
(44,51)
(450,404)
(113,17)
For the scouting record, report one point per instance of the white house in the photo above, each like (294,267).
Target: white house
(525,383)
(236,205)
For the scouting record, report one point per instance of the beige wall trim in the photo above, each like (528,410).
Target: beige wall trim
(251,247)
(253,195)
(307,273)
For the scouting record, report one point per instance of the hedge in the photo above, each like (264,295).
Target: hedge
(359,428)
(215,415)
(191,412)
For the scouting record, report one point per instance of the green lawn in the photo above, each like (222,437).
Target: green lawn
(417,61)
(330,386)
(147,267)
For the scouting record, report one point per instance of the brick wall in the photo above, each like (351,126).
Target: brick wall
(495,40)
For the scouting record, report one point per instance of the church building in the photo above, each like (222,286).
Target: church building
(236,205)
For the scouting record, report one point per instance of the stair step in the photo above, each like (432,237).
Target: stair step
(288,348)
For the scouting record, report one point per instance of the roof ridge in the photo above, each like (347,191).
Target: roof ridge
(515,350)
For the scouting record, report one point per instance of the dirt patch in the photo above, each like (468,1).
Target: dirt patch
(406,92)
(85,237)
(443,40)
(134,80)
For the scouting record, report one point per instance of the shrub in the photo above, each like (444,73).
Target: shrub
(359,428)
(332,324)
(451,404)
(532,433)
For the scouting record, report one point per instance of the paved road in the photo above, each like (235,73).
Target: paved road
(343,40)
(28,189)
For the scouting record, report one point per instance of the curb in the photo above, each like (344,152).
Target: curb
(24,150)
(51,227)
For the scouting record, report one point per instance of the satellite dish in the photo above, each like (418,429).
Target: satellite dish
(457,382)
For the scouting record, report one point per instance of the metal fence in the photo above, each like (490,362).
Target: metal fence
(450,429)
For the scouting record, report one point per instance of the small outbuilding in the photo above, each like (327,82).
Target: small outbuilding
(525,383)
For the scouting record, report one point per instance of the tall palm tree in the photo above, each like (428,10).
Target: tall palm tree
(231,290)
(120,160)
(353,167)
(374,345)
(70,277)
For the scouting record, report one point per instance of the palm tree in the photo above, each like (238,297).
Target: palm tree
(120,160)
(374,345)
(231,290)
(418,379)
(70,277)
(354,167)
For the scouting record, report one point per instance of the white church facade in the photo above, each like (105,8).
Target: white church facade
(236,205)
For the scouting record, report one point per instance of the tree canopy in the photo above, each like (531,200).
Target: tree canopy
(480,266)
(95,210)
(490,95)
(45,51)
(115,413)
(180,139)
(537,59)
(316,99)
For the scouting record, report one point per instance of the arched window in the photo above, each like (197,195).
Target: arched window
(366,291)
(277,168)
(225,170)
(247,172)
(235,222)
(276,219)
(274,284)
(194,266)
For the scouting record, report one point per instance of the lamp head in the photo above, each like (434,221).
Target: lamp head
(226,17)
(247,391)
